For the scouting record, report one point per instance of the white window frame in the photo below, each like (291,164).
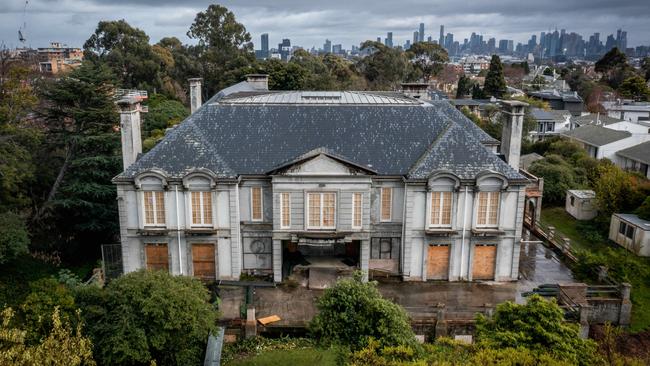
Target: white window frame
(155,223)
(282,209)
(487,210)
(451,210)
(261,218)
(381,205)
(354,211)
(321,226)
(201,209)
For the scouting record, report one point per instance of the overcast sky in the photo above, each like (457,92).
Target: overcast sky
(308,23)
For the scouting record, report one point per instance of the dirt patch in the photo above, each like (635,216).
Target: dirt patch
(628,344)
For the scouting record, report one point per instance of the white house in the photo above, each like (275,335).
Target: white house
(264,182)
(604,142)
(635,158)
(628,110)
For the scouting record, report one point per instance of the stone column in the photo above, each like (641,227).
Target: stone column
(277,260)
(130,130)
(195,94)
(364,259)
(625,315)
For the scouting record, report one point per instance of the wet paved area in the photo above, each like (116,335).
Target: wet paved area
(296,306)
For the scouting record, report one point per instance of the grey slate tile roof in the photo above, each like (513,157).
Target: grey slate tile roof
(253,139)
(640,152)
(594,119)
(596,135)
(542,115)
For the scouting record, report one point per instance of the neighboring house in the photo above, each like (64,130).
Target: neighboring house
(480,107)
(263,182)
(59,58)
(631,232)
(559,100)
(628,110)
(581,204)
(635,158)
(549,123)
(593,119)
(601,142)
(528,159)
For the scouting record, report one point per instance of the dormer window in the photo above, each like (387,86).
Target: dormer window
(488,209)
(201,208)
(154,208)
(440,209)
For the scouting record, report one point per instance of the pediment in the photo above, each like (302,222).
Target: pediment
(323,164)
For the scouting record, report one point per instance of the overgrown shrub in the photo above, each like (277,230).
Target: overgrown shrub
(13,237)
(46,295)
(538,326)
(352,312)
(146,316)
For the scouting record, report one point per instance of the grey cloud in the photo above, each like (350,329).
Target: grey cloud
(343,21)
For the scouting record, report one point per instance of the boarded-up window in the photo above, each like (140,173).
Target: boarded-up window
(357,200)
(154,208)
(156,256)
(440,208)
(201,208)
(285,210)
(256,203)
(488,209)
(203,261)
(438,262)
(484,262)
(322,210)
(386,203)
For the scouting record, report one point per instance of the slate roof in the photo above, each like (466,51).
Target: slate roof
(596,135)
(254,138)
(640,152)
(592,118)
(542,115)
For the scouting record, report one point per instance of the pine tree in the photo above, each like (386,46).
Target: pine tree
(495,82)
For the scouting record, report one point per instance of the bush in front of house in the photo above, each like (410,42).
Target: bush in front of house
(353,312)
(149,316)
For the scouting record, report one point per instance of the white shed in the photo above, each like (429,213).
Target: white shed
(581,204)
(631,232)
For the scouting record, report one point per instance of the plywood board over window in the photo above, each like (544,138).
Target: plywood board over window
(157,256)
(484,262)
(438,262)
(203,261)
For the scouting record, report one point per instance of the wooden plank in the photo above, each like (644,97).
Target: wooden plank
(484,262)
(438,262)
(269,319)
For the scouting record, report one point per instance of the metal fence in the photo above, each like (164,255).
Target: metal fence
(112,261)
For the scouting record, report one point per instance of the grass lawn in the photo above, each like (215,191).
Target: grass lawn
(566,224)
(294,357)
(568,227)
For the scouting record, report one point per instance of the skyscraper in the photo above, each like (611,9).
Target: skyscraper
(265,45)
(389,39)
(441,40)
(327,47)
(421,32)
(416,37)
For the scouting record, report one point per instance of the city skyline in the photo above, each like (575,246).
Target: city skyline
(346,23)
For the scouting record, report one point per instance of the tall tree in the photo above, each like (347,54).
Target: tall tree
(126,50)
(464,87)
(634,87)
(223,50)
(428,58)
(645,66)
(83,143)
(495,82)
(385,67)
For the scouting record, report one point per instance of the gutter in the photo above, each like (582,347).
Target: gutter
(178,233)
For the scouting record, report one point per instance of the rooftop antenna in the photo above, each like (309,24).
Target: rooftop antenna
(23,27)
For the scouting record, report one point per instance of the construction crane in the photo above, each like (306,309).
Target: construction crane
(23,27)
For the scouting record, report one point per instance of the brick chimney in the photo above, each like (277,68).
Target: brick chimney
(415,90)
(512,131)
(130,107)
(258,81)
(195,94)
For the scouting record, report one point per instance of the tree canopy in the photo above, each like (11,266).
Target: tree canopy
(495,82)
